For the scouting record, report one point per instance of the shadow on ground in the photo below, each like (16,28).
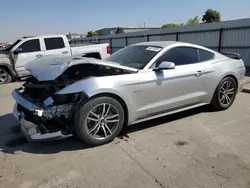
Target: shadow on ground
(12,141)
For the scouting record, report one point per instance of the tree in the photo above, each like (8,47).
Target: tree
(172,25)
(193,21)
(211,16)
(92,33)
(119,30)
(69,36)
(99,33)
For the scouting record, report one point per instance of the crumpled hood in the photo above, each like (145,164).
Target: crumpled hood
(50,67)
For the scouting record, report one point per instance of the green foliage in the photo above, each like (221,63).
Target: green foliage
(193,21)
(98,33)
(92,34)
(211,16)
(172,25)
(119,30)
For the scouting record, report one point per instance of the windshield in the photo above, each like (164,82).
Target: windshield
(8,48)
(137,56)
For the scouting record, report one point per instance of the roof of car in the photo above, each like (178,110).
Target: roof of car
(165,44)
(160,43)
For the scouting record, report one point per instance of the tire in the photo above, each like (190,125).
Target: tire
(5,76)
(222,103)
(91,119)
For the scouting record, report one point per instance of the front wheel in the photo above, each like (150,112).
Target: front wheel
(224,94)
(99,120)
(5,77)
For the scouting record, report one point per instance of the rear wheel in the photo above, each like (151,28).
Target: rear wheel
(224,94)
(99,120)
(5,76)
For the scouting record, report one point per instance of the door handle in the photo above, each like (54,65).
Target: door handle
(198,73)
(39,55)
(65,52)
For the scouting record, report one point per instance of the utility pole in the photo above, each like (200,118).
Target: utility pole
(143,30)
(145,37)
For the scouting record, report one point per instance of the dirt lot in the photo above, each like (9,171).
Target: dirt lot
(197,148)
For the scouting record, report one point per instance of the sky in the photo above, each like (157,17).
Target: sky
(37,17)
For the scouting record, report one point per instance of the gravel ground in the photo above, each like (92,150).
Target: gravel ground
(196,148)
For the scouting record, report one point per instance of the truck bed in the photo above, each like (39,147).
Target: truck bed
(81,44)
(98,51)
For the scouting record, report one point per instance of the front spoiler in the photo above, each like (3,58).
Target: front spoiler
(31,130)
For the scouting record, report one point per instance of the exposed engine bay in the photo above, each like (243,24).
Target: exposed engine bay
(41,90)
(55,112)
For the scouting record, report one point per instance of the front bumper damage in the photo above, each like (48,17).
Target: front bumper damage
(34,130)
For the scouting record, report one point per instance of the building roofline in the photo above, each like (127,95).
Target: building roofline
(129,28)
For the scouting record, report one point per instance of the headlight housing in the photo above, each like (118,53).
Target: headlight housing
(65,99)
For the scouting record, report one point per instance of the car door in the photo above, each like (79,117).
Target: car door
(54,46)
(28,50)
(176,88)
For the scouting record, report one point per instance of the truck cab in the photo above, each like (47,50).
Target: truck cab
(32,48)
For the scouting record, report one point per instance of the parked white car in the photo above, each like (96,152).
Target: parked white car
(26,49)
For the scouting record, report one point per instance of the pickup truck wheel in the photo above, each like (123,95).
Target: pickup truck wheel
(5,76)
(100,120)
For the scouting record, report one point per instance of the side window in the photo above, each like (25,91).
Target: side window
(30,46)
(54,43)
(180,56)
(205,55)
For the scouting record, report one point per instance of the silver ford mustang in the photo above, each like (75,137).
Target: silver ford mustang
(93,99)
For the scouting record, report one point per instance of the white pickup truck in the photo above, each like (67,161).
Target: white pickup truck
(14,57)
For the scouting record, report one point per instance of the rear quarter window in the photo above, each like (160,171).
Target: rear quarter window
(205,55)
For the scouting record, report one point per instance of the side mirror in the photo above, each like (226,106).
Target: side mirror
(18,50)
(165,65)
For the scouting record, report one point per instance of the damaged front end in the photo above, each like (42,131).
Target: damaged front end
(43,121)
(42,112)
